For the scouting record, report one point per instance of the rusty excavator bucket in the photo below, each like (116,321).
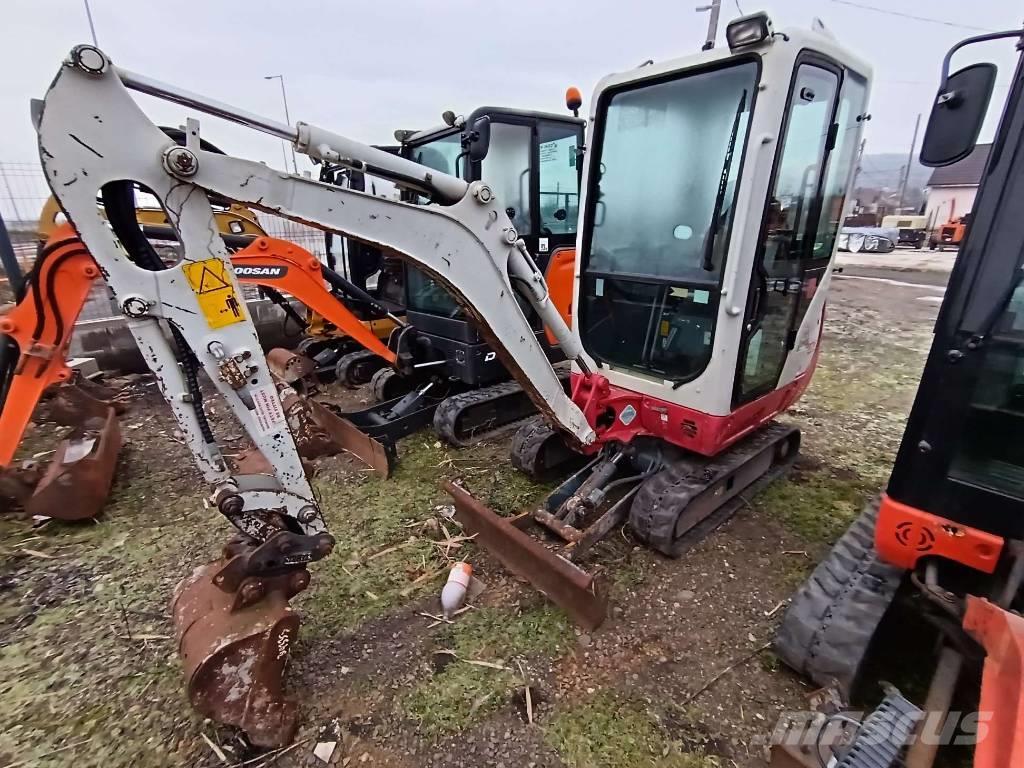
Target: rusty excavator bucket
(82,467)
(319,431)
(77,481)
(234,629)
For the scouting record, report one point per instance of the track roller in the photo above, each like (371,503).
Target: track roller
(387,384)
(357,368)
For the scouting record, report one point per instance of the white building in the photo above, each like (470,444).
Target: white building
(951,190)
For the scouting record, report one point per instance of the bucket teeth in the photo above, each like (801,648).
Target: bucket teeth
(234,647)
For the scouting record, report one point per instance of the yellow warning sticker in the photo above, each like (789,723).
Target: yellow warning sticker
(216,296)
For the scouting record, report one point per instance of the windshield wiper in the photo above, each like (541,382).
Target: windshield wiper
(716,213)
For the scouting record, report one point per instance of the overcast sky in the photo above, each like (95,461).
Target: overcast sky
(364,68)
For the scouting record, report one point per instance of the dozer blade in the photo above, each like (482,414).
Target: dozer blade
(77,482)
(349,437)
(234,646)
(578,593)
(318,431)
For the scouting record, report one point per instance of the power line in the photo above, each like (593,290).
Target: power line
(911,16)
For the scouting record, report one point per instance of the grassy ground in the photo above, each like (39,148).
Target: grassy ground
(88,664)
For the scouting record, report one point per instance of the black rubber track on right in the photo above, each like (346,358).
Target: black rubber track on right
(828,627)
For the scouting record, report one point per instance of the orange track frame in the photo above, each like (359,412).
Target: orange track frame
(903,535)
(64,279)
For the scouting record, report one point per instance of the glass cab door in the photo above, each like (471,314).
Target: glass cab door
(802,216)
(665,170)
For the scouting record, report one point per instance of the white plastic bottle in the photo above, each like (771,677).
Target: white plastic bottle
(454,593)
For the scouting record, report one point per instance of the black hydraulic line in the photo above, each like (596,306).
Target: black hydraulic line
(32,279)
(51,293)
(339,283)
(119,205)
(9,354)
(9,261)
(190,367)
(286,307)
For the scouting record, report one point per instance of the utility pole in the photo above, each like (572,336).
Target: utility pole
(92,29)
(712,22)
(910,162)
(858,168)
(287,117)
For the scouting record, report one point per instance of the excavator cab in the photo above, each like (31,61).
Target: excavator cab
(713,192)
(531,161)
(453,377)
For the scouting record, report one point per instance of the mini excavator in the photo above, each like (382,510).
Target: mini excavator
(712,192)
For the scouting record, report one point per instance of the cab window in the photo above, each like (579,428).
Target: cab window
(559,178)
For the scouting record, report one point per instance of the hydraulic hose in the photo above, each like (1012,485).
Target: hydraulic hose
(119,204)
(339,283)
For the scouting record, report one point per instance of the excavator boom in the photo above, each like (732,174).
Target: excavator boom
(234,625)
(470,246)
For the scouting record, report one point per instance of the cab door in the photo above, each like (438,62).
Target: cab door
(802,217)
(531,163)
(558,186)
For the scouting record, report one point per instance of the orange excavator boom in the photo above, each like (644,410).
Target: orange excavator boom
(42,323)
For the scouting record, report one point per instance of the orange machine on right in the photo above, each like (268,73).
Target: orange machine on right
(949,529)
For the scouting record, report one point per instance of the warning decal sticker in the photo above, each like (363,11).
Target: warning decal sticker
(268,412)
(217,299)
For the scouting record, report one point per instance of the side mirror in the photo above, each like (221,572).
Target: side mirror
(561,214)
(479,139)
(957,115)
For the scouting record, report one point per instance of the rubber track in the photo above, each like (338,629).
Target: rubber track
(346,365)
(827,630)
(383,379)
(451,408)
(527,443)
(663,498)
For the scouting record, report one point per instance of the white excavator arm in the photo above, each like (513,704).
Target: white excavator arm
(92,132)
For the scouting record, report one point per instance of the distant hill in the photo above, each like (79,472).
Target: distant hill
(883,170)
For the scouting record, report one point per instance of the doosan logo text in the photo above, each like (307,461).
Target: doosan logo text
(260,270)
